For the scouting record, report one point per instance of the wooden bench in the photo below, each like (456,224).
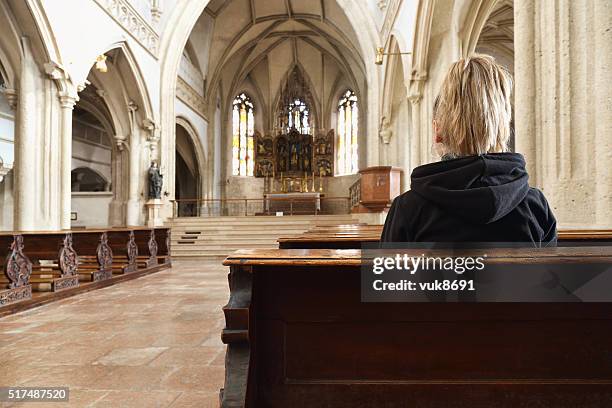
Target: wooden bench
(353,236)
(63,263)
(162,237)
(125,250)
(298,335)
(147,247)
(17,269)
(54,260)
(94,254)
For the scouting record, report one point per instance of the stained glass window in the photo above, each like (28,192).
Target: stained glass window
(298,116)
(242,136)
(347,161)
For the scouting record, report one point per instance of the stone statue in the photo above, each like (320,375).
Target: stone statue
(294,158)
(385,131)
(155,181)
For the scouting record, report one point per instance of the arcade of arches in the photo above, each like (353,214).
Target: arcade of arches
(229,97)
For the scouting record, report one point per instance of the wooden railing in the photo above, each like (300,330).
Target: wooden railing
(355,193)
(261,206)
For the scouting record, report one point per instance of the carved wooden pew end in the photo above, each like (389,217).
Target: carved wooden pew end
(18,269)
(68,265)
(90,271)
(122,265)
(14,295)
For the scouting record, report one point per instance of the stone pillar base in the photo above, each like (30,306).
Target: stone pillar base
(153,216)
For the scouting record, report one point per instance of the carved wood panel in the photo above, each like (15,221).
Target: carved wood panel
(68,259)
(17,266)
(152,244)
(132,249)
(104,253)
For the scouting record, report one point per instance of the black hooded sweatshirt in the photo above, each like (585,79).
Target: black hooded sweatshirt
(482,198)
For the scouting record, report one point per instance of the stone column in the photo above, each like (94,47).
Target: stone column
(602,101)
(525,89)
(133,204)
(67,103)
(563,52)
(25,143)
(415,136)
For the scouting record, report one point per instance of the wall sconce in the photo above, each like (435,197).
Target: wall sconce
(380,52)
(101,63)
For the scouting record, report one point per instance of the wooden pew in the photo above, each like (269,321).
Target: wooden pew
(95,255)
(17,269)
(353,237)
(64,263)
(54,260)
(153,246)
(147,247)
(162,236)
(298,335)
(125,250)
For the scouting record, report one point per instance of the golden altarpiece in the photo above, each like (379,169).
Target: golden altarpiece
(294,157)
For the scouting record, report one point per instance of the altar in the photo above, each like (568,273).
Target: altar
(293,203)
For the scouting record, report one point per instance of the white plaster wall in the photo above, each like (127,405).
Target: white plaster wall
(93,156)
(199,123)
(73,29)
(6,203)
(7,133)
(7,153)
(91,208)
(244,187)
(336,187)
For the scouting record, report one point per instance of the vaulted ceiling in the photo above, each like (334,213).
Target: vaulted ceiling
(497,36)
(259,41)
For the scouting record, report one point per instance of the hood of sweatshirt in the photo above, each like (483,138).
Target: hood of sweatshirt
(481,189)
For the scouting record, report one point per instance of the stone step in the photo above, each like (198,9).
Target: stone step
(232,227)
(218,237)
(188,220)
(266,222)
(225,248)
(215,241)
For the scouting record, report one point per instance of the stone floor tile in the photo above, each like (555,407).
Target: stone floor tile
(130,356)
(154,341)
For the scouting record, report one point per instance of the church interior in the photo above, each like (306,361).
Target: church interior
(187,189)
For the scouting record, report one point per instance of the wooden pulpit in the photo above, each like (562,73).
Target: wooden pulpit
(379,186)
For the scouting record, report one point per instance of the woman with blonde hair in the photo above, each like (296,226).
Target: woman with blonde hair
(479,191)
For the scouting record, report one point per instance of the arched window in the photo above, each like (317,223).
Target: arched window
(298,116)
(86,179)
(242,140)
(347,161)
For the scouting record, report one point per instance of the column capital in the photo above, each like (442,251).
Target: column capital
(68,92)
(156,11)
(149,124)
(11,96)
(67,101)
(415,98)
(415,89)
(132,106)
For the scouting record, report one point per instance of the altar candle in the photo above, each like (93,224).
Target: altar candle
(320,181)
(313,182)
